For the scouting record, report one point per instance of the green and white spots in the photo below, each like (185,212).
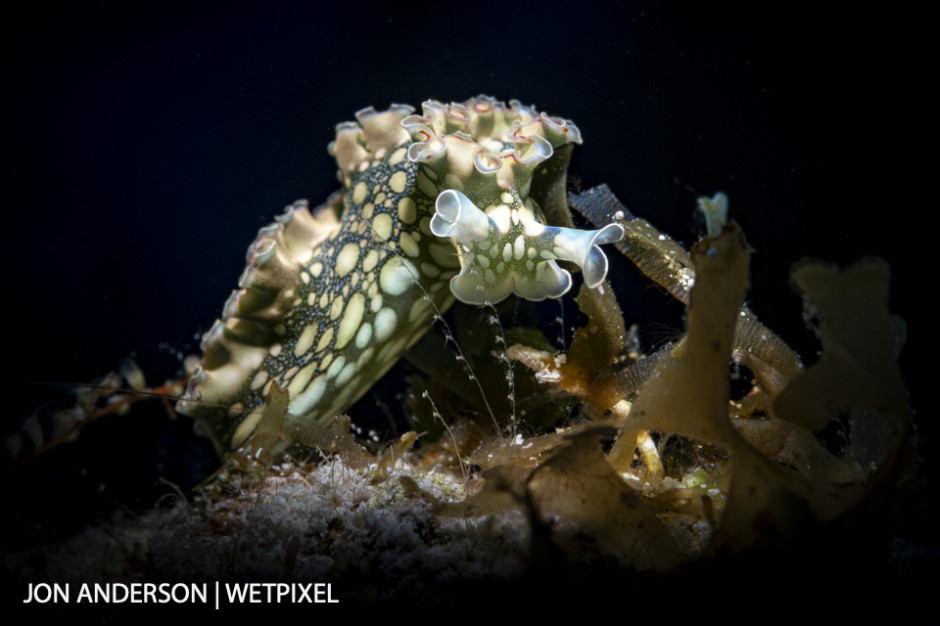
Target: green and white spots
(505,249)
(329,300)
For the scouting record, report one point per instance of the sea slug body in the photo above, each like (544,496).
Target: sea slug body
(433,207)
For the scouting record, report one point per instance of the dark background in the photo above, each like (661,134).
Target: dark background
(147,144)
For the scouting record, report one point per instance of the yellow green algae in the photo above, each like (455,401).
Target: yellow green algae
(659,475)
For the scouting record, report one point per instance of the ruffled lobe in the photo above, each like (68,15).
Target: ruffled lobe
(485,137)
(252,318)
(373,133)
